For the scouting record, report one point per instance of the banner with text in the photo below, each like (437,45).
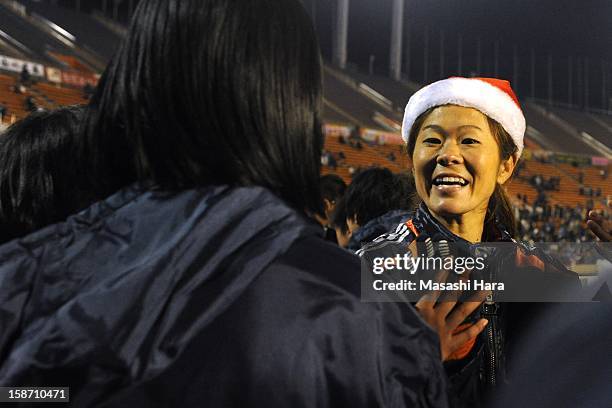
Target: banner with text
(16,65)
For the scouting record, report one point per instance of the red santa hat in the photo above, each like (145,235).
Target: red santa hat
(493,97)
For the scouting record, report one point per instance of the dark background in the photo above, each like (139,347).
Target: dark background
(574,33)
(570,32)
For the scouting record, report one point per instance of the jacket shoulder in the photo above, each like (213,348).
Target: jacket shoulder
(315,290)
(403,235)
(322,260)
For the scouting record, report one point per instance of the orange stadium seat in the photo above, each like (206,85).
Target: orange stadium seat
(45,94)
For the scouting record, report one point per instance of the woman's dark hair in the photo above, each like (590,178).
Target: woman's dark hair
(376,191)
(499,205)
(40,172)
(213,92)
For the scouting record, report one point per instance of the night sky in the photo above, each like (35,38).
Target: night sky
(572,32)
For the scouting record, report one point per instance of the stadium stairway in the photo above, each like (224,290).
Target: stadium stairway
(396,92)
(559,135)
(344,95)
(88,31)
(583,122)
(39,39)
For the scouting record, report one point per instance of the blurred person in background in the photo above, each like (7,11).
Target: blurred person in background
(30,104)
(375,202)
(40,172)
(197,278)
(24,75)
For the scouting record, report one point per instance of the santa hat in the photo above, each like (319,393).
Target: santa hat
(493,97)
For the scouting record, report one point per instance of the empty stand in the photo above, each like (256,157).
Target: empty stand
(582,121)
(59,95)
(397,92)
(87,30)
(604,120)
(558,138)
(333,114)
(35,40)
(345,98)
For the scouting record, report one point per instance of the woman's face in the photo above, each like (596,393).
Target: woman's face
(457,162)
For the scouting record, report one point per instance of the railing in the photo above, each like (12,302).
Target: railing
(361,88)
(95,62)
(115,27)
(572,131)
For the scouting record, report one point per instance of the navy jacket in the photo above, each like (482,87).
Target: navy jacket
(376,227)
(212,297)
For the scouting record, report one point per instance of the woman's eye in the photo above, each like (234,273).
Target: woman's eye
(432,140)
(469,140)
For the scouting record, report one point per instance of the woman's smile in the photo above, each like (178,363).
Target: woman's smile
(449,184)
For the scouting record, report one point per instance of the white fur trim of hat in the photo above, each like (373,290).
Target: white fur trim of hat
(493,97)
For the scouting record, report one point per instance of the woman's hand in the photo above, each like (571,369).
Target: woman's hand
(599,226)
(445,318)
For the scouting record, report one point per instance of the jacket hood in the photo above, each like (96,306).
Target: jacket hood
(109,285)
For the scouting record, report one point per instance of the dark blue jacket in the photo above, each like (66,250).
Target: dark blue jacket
(213,297)
(376,227)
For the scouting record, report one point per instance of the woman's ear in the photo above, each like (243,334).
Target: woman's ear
(506,168)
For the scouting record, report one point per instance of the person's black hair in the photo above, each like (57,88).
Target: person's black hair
(213,92)
(40,172)
(376,191)
(332,187)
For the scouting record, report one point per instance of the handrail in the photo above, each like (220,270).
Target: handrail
(115,27)
(96,63)
(374,96)
(571,130)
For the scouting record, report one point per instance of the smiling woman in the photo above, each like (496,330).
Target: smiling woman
(464,138)
(461,158)
(471,129)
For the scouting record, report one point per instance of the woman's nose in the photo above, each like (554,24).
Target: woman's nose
(450,154)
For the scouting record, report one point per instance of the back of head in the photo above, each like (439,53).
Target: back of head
(213,92)
(332,187)
(40,174)
(376,191)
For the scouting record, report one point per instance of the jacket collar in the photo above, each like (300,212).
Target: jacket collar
(429,227)
(376,227)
